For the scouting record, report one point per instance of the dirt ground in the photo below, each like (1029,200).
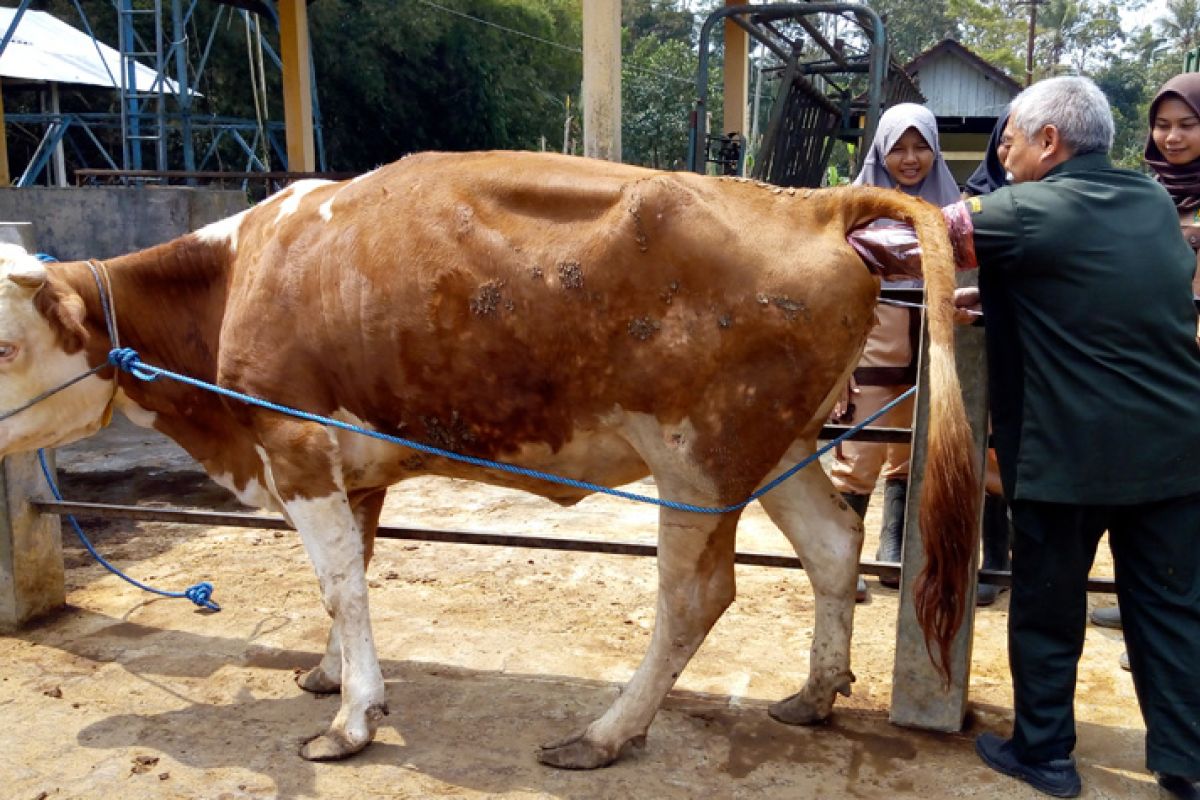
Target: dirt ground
(486,651)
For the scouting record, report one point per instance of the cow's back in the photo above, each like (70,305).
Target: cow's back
(488,301)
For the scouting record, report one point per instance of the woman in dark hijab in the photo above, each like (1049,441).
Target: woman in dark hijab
(1173,146)
(1173,152)
(990,175)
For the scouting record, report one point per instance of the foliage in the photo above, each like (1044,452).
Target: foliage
(656,101)
(394,77)
(398,77)
(912,27)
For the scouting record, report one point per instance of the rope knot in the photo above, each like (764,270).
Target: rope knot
(127,358)
(200,594)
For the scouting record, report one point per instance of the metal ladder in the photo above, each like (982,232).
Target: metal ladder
(143,112)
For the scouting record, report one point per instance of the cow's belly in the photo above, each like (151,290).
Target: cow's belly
(599,456)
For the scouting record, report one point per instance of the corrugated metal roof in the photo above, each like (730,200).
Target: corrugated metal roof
(44,48)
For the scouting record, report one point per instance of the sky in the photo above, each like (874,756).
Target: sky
(1152,11)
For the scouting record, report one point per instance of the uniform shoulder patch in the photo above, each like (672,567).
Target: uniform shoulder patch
(974,205)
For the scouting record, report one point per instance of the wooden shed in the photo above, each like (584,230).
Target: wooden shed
(967,94)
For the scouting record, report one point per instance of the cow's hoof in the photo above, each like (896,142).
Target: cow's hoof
(330,746)
(578,752)
(797,710)
(317,682)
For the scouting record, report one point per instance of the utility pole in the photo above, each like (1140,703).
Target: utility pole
(1033,4)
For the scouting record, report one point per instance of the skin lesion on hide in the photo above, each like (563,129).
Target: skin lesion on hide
(667,295)
(452,435)
(792,309)
(639,231)
(570,275)
(489,298)
(643,328)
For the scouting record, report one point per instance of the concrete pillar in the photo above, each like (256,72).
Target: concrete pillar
(737,76)
(31,562)
(920,699)
(297,85)
(602,79)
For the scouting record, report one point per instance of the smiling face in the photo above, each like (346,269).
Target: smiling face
(41,336)
(910,159)
(1176,131)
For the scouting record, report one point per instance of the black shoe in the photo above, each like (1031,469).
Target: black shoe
(1106,617)
(986,593)
(1057,778)
(1178,786)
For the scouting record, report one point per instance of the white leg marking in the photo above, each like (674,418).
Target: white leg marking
(334,543)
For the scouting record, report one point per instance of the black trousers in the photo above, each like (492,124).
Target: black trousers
(1156,552)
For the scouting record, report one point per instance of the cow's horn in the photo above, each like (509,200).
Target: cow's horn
(29,276)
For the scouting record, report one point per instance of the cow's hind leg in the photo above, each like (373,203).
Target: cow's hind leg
(326,677)
(695,586)
(827,535)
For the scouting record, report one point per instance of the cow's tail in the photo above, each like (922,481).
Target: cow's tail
(949,512)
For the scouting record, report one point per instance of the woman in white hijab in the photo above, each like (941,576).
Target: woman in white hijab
(905,155)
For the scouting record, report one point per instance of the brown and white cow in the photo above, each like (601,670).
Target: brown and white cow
(595,320)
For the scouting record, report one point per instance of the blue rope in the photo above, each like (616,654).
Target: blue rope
(127,359)
(200,593)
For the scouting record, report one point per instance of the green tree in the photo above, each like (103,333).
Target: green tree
(664,20)
(396,78)
(1181,24)
(1071,34)
(913,28)
(656,102)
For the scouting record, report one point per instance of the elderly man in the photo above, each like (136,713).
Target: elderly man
(1094,374)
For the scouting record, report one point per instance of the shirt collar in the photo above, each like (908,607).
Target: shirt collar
(1088,161)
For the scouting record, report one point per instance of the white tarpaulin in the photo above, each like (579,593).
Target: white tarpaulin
(44,48)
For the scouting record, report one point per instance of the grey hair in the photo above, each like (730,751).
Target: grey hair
(1074,105)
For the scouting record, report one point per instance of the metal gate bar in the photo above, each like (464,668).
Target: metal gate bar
(266,522)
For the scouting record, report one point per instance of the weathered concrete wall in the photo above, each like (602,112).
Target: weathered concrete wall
(107,221)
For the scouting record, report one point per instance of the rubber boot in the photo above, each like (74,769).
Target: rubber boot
(859,503)
(997,537)
(891,533)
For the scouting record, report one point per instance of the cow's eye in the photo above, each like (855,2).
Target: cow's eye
(8,351)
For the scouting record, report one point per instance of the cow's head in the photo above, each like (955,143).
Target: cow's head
(42,338)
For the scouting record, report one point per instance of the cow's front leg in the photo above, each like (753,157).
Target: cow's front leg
(827,535)
(695,586)
(326,677)
(335,547)
(303,470)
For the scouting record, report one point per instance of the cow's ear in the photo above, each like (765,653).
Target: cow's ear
(29,275)
(65,312)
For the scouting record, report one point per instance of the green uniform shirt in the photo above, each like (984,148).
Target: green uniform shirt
(1094,369)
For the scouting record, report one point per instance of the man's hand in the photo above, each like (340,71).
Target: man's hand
(843,409)
(967,308)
